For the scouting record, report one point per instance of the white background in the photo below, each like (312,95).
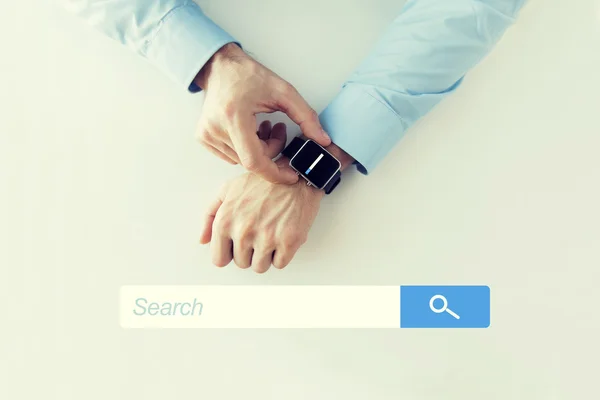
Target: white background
(103,184)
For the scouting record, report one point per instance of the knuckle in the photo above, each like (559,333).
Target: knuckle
(244,241)
(286,89)
(293,239)
(312,115)
(230,109)
(207,130)
(223,223)
(245,234)
(202,135)
(260,70)
(268,237)
(255,69)
(295,242)
(250,162)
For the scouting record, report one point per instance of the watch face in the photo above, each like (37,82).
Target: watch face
(315,164)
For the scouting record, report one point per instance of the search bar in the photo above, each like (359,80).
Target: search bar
(275,306)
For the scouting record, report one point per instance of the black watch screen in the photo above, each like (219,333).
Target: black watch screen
(315,164)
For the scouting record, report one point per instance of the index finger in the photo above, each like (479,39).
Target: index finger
(211,213)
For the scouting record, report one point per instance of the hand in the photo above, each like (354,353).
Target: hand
(258,223)
(237,88)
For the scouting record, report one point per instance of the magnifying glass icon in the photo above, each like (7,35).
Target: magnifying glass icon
(444,306)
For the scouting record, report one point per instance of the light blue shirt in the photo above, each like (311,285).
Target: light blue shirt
(421,58)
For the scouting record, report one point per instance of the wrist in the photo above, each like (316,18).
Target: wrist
(294,148)
(344,158)
(227,55)
(309,191)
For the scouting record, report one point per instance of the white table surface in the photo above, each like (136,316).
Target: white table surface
(103,184)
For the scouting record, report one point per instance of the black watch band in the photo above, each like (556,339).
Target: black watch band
(291,150)
(333,182)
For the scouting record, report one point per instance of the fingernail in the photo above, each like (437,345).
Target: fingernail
(325,135)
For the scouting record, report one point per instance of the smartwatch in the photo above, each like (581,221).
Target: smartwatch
(313,163)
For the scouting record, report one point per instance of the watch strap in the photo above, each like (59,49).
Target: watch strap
(292,148)
(333,182)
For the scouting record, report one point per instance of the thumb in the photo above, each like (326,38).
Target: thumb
(294,105)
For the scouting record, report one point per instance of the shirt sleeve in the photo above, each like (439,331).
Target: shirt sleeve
(421,59)
(174,35)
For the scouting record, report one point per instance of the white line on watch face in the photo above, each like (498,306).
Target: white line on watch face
(313,164)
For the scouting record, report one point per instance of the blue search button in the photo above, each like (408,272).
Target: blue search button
(444,306)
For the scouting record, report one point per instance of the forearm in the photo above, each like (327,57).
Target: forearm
(420,60)
(432,44)
(131,22)
(174,35)
(312,192)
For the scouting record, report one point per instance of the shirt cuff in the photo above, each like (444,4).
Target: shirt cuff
(363,125)
(186,39)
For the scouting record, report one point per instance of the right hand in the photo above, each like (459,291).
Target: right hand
(237,88)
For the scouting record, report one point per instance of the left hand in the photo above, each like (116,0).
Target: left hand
(257,223)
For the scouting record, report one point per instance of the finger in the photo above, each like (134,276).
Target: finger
(284,163)
(211,212)
(242,255)
(227,151)
(219,153)
(283,256)
(252,157)
(264,130)
(294,105)
(208,221)
(220,144)
(262,259)
(222,250)
(212,134)
(276,141)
